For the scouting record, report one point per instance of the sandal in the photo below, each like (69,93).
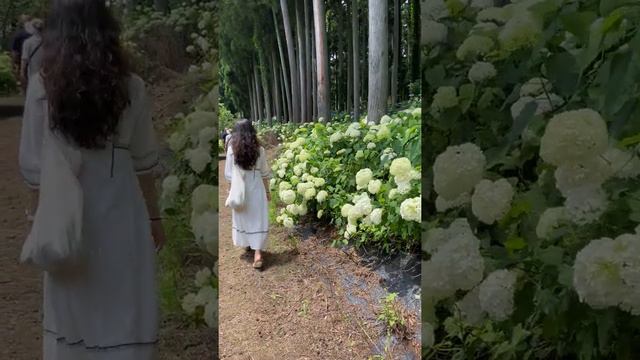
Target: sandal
(257,264)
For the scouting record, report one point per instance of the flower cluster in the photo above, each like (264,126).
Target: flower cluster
(354,175)
(204,303)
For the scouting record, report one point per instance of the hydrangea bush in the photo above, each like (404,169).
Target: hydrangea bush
(532,193)
(362,178)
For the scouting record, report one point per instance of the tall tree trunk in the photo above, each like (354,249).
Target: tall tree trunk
(378,60)
(322,57)
(256,81)
(252,102)
(355,37)
(308,77)
(301,60)
(314,82)
(349,59)
(293,64)
(264,77)
(396,52)
(161,5)
(285,99)
(415,44)
(276,83)
(287,91)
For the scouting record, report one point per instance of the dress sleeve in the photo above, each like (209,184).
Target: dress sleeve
(31,135)
(228,165)
(265,171)
(143,145)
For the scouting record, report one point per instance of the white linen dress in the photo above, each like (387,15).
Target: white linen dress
(251,224)
(108,309)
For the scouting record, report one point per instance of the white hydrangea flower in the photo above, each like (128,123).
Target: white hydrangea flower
(363,177)
(623,164)
(457,170)
(446,97)
(310,194)
(211,314)
(411,209)
(177,141)
(393,193)
(487,29)
(318,182)
(383,132)
(401,169)
(474,46)
(359,154)
(170,186)
(281,173)
(203,277)
(353,130)
(496,294)
(189,304)
(470,308)
(491,200)
(573,136)
(523,30)
(304,186)
(374,186)
(287,196)
(596,275)
(455,265)
(433,33)
(437,237)
(198,158)
(585,173)
(346,208)
(302,209)
(376,216)
(322,196)
(284,186)
(482,71)
(550,219)
(371,146)
(434,10)
(205,228)
(535,87)
(205,295)
(204,198)
(320,213)
(287,222)
(206,135)
(586,204)
(497,14)
(443,204)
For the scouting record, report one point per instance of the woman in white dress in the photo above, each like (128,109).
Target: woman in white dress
(86,96)
(251,223)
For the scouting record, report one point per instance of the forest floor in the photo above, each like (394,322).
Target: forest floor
(20,286)
(311,301)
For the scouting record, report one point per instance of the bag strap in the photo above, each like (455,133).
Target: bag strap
(33,53)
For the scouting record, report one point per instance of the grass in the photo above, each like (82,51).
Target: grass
(391,316)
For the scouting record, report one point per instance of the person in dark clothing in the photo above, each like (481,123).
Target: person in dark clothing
(18,40)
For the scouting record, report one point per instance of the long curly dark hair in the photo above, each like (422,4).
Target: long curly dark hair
(85,72)
(245,144)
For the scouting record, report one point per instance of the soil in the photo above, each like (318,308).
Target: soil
(299,306)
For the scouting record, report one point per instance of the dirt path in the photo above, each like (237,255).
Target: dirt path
(20,294)
(296,308)
(20,286)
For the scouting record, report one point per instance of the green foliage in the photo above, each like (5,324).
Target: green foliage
(330,155)
(8,82)
(589,51)
(390,315)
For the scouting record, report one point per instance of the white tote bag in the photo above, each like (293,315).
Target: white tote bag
(236,198)
(55,241)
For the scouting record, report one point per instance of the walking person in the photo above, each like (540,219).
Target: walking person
(32,52)
(87,99)
(251,223)
(21,35)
